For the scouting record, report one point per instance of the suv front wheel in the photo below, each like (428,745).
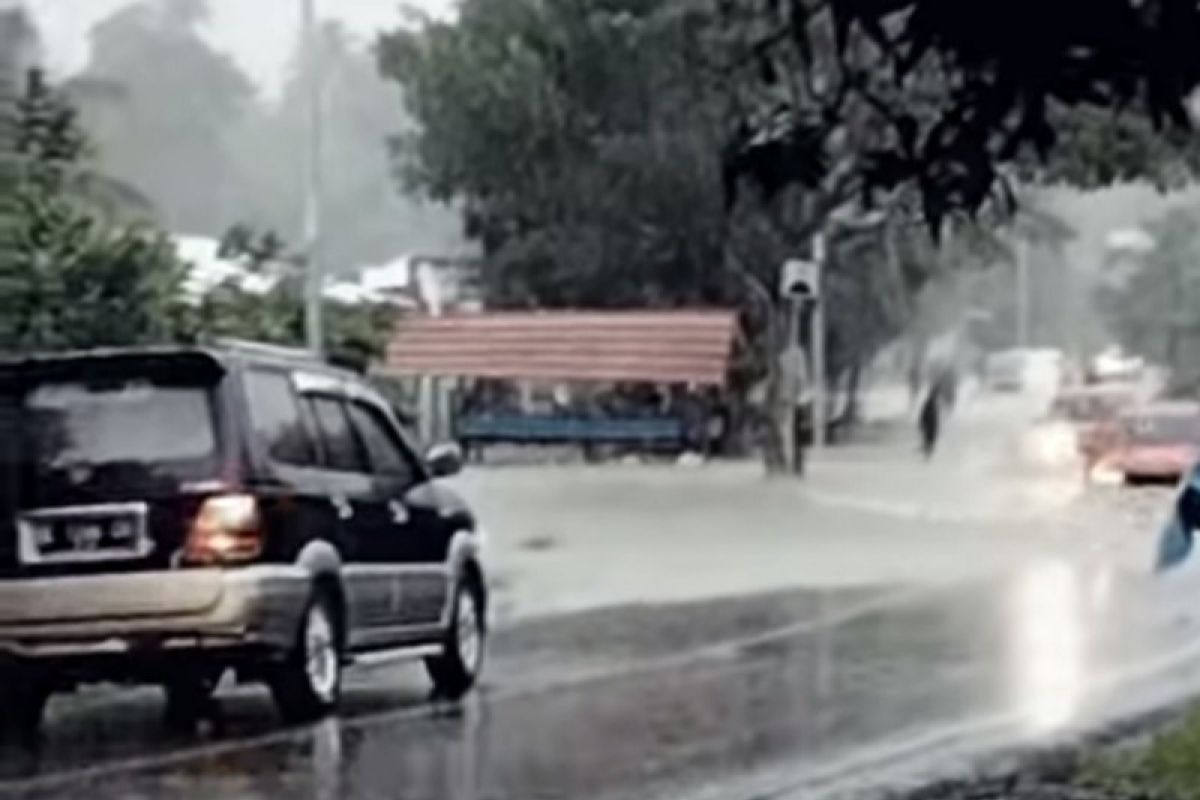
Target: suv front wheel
(308,684)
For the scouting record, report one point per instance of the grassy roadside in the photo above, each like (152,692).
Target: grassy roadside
(1167,765)
(1155,757)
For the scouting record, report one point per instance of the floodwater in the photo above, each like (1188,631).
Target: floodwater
(701,634)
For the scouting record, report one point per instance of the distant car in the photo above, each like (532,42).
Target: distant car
(1089,416)
(1086,405)
(1081,424)
(1005,372)
(1160,443)
(1114,366)
(173,514)
(1019,370)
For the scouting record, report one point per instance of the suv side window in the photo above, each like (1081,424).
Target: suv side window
(388,455)
(342,450)
(277,419)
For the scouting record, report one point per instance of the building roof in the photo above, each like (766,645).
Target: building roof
(635,346)
(207,269)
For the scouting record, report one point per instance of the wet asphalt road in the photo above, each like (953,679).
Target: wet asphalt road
(782,693)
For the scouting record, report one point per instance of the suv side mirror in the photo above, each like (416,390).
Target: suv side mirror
(445,460)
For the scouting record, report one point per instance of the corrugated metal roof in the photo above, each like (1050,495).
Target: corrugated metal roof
(649,346)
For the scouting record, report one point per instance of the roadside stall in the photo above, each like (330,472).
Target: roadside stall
(649,381)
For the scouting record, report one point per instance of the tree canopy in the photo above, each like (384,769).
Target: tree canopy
(208,149)
(585,141)
(1151,299)
(74,274)
(582,142)
(82,271)
(590,146)
(1005,71)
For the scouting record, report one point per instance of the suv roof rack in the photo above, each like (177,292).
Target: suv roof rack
(267,349)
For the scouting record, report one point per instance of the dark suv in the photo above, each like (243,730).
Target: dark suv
(170,514)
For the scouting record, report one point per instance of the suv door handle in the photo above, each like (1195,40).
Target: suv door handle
(342,506)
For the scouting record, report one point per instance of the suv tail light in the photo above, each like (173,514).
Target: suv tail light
(227,530)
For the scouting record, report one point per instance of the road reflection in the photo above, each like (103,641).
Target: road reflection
(436,757)
(1047,647)
(328,760)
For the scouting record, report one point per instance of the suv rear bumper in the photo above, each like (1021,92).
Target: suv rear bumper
(153,613)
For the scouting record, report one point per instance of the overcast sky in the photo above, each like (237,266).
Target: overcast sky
(260,34)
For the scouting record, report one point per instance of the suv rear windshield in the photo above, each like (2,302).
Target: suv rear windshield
(167,428)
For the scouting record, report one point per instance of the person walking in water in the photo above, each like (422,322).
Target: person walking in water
(929,420)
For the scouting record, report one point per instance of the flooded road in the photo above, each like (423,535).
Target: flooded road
(740,641)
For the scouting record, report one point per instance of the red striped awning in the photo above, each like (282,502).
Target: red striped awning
(635,346)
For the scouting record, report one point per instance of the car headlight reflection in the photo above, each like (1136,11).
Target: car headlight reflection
(1053,444)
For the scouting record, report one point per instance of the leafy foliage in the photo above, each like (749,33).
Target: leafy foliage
(1153,305)
(582,142)
(355,335)
(80,276)
(1005,73)
(73,277)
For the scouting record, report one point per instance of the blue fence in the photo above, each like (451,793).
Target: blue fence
(537,429)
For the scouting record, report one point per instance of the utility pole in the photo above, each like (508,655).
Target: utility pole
(791,367)
(817,338)
(1022,294)
(11,33)
(315,275)
(800,293)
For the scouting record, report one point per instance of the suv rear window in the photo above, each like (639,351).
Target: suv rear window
(128,423)
(341,446)
(276,416)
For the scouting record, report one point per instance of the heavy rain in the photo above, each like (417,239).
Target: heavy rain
(666,399)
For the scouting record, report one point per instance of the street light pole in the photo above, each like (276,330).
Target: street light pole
(314,276)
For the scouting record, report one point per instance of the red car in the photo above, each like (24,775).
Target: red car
(1093,412)
(1159,443)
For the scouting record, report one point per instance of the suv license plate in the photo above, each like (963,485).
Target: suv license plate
(62,536)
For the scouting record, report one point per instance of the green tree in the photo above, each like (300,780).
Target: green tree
(1007,73)
(82,272)
(1152,309)
(76,277)
(582,140)
(17,39)
(356,335)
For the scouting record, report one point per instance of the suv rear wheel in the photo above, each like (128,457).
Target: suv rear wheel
(308,684)
(23,696)
(190,698)
(456,670)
